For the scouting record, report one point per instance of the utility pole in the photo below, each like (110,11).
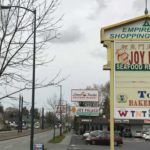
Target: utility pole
(20,113)
(66,117)
(60,110)
(42,117)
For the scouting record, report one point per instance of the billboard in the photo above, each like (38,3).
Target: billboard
(132,79)
(87,111)
(78,95)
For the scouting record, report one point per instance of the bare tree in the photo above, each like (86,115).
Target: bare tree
(53,105)
(16,42)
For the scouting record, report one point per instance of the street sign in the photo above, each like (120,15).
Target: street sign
(38,147)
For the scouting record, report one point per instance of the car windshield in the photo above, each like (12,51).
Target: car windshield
(95,133)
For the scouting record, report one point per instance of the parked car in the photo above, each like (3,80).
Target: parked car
(13,124)
(24,127)
(37,125)
(144,133)
(104,139)
(93,135)
(138,134)
(86,134)
(127,132)
(147,136)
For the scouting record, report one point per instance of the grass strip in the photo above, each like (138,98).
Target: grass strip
(57,139)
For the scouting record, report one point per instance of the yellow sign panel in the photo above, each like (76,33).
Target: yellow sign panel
(73,109)
(132,79)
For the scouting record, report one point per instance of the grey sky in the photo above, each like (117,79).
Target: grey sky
(79,52)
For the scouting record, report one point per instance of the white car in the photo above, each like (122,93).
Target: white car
(144,134)
(86,134)
(147,137)
(138,134)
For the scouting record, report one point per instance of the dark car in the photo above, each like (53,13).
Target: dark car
(104,139)
(127,132)
(92,135)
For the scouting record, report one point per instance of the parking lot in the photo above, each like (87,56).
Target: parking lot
(129,144)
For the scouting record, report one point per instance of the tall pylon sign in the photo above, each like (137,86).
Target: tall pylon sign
(128,59)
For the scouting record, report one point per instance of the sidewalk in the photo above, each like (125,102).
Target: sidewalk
(60,146)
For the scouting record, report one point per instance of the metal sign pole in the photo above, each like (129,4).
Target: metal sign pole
(112,101)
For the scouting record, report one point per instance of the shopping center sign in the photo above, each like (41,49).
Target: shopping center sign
(128,51)
(130,30)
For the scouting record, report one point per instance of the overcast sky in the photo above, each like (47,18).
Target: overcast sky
(79,53)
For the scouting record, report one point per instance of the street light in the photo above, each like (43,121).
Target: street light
(33,73)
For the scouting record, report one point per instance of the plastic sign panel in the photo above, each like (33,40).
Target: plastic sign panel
(132,79)
(136,30)
(38,147)
(78,95)
(87,111)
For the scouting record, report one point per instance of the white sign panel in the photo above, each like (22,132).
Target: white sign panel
(78,95)
(87,111)
(136,30)
(132,80)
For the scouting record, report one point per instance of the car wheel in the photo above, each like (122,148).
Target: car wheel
(93,142)
(116,143)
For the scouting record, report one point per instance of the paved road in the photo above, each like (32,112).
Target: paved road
(77,143)
(14,133)
(23,143)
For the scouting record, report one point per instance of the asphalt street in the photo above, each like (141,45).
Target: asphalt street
(77,143)
(23,143)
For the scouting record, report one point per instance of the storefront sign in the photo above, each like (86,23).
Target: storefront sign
(78,95)
(131,79)
(132,56)
(132,113)
(87,111)
(147,121)
(86,120)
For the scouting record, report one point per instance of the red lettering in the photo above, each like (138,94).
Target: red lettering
(136,57)
(123,113)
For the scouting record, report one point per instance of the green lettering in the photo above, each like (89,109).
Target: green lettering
(124,29)
(130,29)
(146,23)
(112,36)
